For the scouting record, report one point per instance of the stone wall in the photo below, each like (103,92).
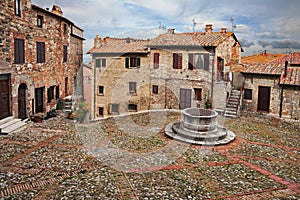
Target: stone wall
(53,71)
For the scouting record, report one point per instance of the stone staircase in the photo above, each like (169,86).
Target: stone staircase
(233,103)
(68,104)
(9,125)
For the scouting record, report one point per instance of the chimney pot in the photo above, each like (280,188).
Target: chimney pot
(223,30)
(171,30)
(208,28)
(97,41)
(285,68)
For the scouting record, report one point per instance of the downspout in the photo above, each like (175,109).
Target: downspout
(282,89)
(93,64)
(212,59)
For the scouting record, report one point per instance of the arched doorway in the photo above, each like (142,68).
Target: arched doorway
(22,106)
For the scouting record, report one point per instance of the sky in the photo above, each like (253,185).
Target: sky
(271,25)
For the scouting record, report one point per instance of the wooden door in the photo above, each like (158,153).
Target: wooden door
(263,98)
(185,98)
(4,98)
(22,106)
(39,100)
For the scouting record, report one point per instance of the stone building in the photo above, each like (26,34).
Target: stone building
(172,71)
(41,52)
(273,87)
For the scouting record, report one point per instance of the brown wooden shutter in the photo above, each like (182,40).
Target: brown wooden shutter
(156,60)
(191,61)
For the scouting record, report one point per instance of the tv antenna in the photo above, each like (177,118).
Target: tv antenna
(161,26)
(233,25)
(194,25)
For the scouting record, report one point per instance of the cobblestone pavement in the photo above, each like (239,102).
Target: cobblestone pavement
(129,157)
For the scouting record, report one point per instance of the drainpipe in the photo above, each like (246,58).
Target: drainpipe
(282,89)
(212,59)
(93,65)
(281,100)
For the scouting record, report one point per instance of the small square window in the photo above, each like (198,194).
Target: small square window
(248,94)
(101,111)
(132,107)
(100,62)
(155,89)
(101,90)
(114,108)
(40,21)
(132,87)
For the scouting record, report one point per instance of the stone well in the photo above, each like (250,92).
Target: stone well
(199,126)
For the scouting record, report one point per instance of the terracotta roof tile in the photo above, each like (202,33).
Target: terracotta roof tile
(190,39)
(261,58)
(121,45)
(277,67)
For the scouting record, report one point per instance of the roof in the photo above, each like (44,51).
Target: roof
(292,77)
(121,45)
(277,67)
(190,39)
(261,58)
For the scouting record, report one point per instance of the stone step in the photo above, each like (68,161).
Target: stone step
(230,116)
(231,109)
(9,123)
(12,125)
(5,120)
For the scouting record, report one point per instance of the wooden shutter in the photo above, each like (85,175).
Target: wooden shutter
(206,62)
(19,51)
(191,61)
(138,62)
(127,62)
(156,60)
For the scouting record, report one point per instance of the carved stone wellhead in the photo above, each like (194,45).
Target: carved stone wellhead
(199,126)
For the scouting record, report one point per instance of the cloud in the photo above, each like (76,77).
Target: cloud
(246,43)
(280,44)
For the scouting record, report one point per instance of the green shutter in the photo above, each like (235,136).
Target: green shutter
(127,62)
(138,62)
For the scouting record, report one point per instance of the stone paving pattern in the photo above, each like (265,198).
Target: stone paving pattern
(50,160)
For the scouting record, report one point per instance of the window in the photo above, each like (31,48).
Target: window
(57,92)
(132,107)
(177,60)
(19,51)
(198,94)
(248,94)
(65,29)
(155,89)
(132,87)
(40,52)
(198,61)
(40,20)
(100,62)
(156,60)
(132,62)
(65,56)
(50,93)
(18,7)
(101,90)
(101,111)
(114,108)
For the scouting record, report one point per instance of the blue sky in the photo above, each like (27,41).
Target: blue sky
(272,25)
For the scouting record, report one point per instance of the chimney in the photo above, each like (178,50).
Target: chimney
(171,30)
(97,41)
(223,30)
(208,29)
(285,68)
(57,10)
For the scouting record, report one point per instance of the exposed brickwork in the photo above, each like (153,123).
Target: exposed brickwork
(56,32)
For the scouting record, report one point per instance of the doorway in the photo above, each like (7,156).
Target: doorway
(22,105)
(185,98)
(4,97)
(39,99)
(263,98)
